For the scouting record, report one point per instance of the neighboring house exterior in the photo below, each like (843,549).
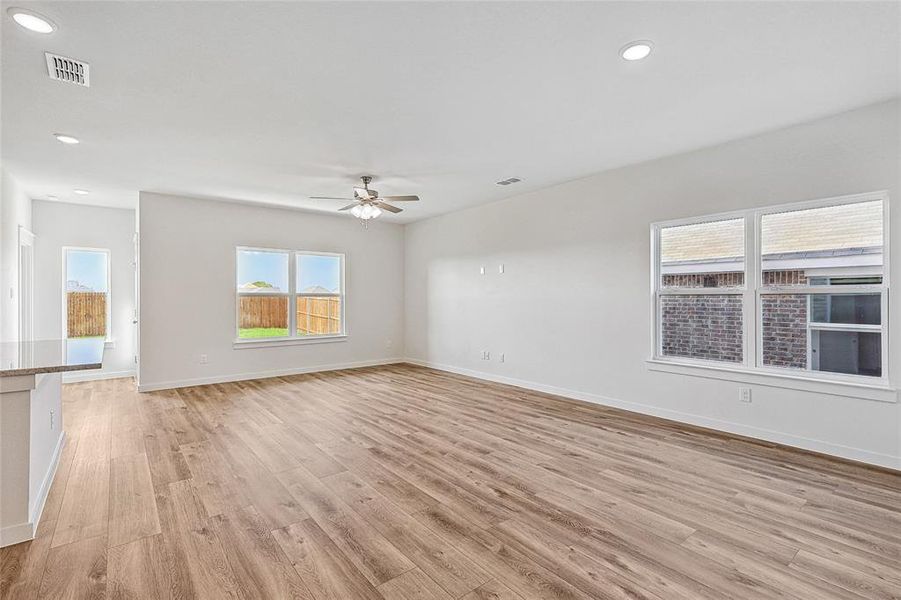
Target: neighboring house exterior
(798,251)
(76,286)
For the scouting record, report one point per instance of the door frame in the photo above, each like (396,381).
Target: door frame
(25,325)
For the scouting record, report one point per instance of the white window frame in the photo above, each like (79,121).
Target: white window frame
(292,337)
(108,341)
(752,368)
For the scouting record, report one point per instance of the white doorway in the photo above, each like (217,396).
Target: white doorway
(26,285)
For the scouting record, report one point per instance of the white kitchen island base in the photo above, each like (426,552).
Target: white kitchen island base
(31,425)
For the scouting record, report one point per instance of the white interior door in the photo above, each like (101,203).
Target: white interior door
(26,285)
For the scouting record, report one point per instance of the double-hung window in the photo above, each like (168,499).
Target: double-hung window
(799,289)
(288,294)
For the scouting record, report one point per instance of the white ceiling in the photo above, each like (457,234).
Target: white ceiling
(274,102)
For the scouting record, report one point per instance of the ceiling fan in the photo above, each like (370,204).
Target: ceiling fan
(367,204)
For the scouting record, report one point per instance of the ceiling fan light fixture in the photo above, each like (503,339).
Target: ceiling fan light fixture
(368,211)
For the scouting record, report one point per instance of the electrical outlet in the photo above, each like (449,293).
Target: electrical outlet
(388,344)
(204,359)
(744,394)
(481,270)
(486,355)
(500,268)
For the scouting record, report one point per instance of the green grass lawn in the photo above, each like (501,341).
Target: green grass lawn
(263,332)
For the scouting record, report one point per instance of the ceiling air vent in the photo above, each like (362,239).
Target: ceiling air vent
(68,69)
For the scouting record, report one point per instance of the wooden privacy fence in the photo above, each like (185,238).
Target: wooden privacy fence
(85,314)
(315,315)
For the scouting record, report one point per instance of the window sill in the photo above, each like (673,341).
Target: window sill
(274,342)
(867,391)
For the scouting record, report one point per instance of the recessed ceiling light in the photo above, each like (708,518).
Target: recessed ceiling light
(81,192)
(31,20)
(66,139)
(636,50)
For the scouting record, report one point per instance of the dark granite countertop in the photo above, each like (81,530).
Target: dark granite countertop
(50,356)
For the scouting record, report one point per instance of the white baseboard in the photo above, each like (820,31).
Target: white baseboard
(95,375)
(168,385)
(22,532)
(16,534)
(856,454)
(37,507)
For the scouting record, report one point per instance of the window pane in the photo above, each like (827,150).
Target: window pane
(87,288)
(318,274)
(794,341)
(846,240)
(853,309)
(703,254)
(318,315)
(262,272)
(705,327)
(852,352)
(262,316)
(784,330)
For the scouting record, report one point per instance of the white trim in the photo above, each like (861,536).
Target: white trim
(23,532)
(167,385)
(243,343)
(822,384)
(26,239)
(95,375)
(16,534)
(814,445)
(37,509)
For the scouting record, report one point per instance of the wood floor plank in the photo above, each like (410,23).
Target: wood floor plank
(76,571)
(260,487)
(127,435)
(362,543)
(22,568)
(85,507)
(200,568)
(493,590)
(166,464)
(403,482)
(413,585)
(436,558)
(132,505)
(260,566)
(326,571)
(139,569)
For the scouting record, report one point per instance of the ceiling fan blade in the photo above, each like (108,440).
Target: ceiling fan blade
(328,198)
(388,207)
(401,198)
(349,206)
(362,193)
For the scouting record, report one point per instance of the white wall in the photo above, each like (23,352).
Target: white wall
(572,311)
(187,283)
(58,224)
(15,210)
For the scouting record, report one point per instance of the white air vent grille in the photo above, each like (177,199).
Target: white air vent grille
(68,69)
